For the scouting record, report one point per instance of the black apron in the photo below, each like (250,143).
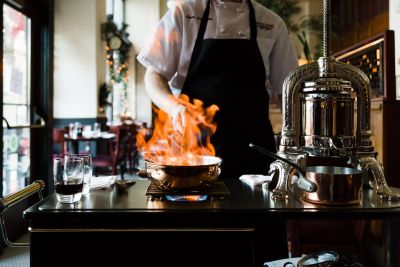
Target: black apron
(231,74)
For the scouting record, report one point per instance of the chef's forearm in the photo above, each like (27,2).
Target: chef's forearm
(159,91)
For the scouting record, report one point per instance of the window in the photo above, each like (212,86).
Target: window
(16,98)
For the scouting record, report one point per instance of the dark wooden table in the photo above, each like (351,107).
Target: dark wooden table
(129,227)
(75,140)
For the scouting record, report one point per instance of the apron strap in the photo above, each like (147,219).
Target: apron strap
(253,25)
(200,37)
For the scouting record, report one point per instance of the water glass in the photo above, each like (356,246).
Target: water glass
(71,130)
(68,179)
(87,170)
(96,129)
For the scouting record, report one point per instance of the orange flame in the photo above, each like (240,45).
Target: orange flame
(181,148)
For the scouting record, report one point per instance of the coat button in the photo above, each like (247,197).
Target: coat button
(223,30)
(241,33)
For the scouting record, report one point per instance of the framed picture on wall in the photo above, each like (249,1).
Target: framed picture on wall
(375,57)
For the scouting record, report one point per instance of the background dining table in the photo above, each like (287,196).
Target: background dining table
(74,141)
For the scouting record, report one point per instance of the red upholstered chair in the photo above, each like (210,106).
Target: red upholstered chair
(131,152)
(59,144)
(114,162)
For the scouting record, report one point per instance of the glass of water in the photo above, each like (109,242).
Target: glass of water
(87,170)
(96,129)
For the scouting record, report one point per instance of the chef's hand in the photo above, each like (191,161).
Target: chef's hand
(178,118)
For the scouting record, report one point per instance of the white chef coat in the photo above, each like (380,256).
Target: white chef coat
(170,47)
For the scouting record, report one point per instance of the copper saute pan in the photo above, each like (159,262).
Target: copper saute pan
(328,185)
(182,177)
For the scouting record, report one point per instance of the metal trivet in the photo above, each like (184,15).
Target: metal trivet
(217,190)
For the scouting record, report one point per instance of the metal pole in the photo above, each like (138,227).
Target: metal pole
(326,28)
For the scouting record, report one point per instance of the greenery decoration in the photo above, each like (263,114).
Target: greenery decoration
(104,93)
(117,55)
(306,48)
(286,9)
(118,73)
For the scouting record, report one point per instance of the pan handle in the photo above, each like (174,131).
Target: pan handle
(302,182)
(306,185)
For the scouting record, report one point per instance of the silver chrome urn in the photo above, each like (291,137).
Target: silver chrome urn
(319,100)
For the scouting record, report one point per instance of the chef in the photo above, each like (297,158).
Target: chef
(234,54)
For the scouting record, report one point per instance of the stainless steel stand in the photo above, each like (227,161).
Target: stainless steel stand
(326,91)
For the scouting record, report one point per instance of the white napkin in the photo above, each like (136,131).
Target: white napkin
(254,179)
(283,262)
(99,182)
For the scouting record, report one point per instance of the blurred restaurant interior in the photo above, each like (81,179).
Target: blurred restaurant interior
(71,83)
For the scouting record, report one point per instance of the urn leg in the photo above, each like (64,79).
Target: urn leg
(378,178)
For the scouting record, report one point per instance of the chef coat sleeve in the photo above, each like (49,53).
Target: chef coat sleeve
(283,59)
(162,49)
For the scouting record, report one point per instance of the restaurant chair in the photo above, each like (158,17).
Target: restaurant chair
(131,152)
(115,161)
(59,143)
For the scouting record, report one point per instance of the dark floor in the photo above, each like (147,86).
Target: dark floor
(15,257)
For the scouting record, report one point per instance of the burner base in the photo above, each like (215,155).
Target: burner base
(217,190)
